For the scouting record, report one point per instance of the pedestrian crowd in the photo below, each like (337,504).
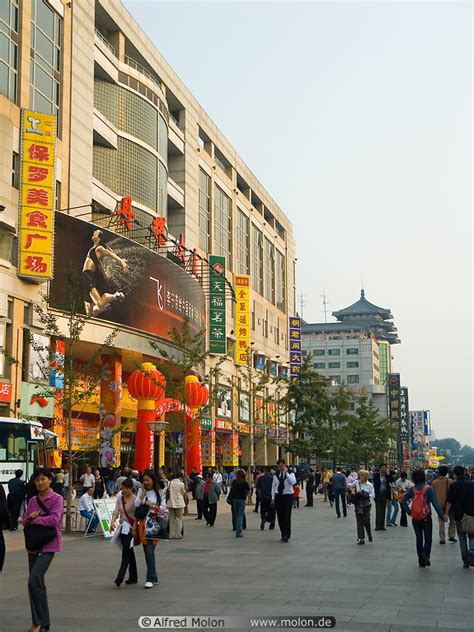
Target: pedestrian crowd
(150,507)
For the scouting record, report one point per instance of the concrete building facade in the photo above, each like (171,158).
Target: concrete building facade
(127,126)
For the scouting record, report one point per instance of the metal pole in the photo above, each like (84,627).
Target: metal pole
(251,424)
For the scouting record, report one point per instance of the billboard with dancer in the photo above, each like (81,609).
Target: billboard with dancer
(122,281)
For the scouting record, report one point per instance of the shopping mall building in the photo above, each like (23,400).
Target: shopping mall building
(131,150)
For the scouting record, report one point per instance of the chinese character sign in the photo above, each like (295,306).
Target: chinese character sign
(37,193)
(394,393)
(295,346)
(217,329)
(404,419)
(242,318)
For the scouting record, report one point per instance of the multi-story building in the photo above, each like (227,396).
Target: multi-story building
(355,350)
(127,127)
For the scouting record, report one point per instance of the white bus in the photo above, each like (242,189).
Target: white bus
(24,445)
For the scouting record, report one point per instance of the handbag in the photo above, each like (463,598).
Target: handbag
(141,511)
(467,524)
(37,536)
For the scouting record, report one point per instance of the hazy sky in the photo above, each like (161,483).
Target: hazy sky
(357,119)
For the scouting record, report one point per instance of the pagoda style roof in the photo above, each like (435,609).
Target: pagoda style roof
(360,317)
(362,308)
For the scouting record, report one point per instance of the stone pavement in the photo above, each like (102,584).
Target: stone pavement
(377,587)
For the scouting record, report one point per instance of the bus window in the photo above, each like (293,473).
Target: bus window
(16,447)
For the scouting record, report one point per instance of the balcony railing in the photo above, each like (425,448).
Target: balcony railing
(177,123)
(105,42)
(138,67)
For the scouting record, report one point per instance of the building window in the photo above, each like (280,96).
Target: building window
(353,379)
(9,48)
(269,259)
(335,378)
(243,248)
(204,210)
(7,238)
(45,66)
(352,351)
(352,365)
(15,170)
(319,365)
(222,225)
(318,352)
(280,281)
(334,352)
(257,259)
(334,365)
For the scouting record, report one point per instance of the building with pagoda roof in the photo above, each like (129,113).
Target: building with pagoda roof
(356,349)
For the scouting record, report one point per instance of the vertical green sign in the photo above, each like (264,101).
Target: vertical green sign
(217,332)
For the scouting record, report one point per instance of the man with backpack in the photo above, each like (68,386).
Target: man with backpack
(460,501)
(421,497)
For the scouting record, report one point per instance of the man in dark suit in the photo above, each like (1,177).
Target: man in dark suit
(309,488)
(381,482)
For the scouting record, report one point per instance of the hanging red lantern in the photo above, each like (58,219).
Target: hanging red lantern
(147,383)
(197,393)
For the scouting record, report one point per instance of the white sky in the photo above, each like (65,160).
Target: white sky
(357,117)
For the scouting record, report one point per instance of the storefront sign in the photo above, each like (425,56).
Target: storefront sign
(208,447)
(36,401)
(404,422)
(206,423)
(217,326)
(104,513)
(244,407)
(394,392)
(5,393)
(295,346)
(38,359)
(37,195)
(157,293)
(242,318)
(221,424)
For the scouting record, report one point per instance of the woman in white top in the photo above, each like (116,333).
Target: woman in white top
(176,503)
(149,495)
(362,492)
(402,485)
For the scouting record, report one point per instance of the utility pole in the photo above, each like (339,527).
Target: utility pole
(325,305)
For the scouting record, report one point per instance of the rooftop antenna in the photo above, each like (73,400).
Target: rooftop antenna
(302,304)
(325,305)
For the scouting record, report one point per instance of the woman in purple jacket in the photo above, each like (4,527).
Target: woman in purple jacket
(39,561)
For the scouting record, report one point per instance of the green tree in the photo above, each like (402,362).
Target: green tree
(340,422)
(308,404)
(80,379)
(370,433)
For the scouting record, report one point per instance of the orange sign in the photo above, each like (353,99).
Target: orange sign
(37,193)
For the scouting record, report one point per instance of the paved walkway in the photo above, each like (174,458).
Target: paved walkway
(377,587)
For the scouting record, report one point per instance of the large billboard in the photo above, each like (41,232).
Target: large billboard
(122,281)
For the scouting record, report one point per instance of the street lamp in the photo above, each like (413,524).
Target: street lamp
(157,426)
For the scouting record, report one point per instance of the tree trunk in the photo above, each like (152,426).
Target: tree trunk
(68,527)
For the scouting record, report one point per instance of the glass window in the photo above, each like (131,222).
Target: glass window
(319,365)
(334,365)
(353,379)
(352,365)
(352,351)
(269,259)
(318,352)
(335,378)
(243,248)
(257,260)
(222,225)
(334,352)
(204,210)
(45,58)
(280,280)
(9,48)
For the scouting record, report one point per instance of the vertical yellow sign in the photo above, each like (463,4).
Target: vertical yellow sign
(242,318)
(37,193)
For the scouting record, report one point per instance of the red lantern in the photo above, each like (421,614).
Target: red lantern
(147,384)
(196,394)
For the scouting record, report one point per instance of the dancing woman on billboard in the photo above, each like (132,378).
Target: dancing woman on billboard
(93,277)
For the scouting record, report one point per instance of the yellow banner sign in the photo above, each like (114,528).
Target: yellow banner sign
(242,318)
(37,195)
